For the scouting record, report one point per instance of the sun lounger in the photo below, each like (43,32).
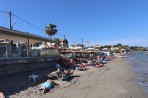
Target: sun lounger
(54,76)
(61,75)
(81,69)
(67,75)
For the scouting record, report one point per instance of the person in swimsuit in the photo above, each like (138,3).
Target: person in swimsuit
(46,86)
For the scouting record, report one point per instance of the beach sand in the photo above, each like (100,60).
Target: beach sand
(115,80)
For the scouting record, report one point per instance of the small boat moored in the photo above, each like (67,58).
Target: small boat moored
(146,53)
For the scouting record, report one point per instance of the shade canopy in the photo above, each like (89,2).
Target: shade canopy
(15,35)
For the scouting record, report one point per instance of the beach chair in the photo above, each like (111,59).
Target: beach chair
(66,76)
(54,75)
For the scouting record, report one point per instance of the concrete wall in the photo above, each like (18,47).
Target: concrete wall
(17,65)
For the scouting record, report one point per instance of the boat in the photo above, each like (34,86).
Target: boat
(146,53)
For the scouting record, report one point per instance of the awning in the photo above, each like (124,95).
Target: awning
(15,35)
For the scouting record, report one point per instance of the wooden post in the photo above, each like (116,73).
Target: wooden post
(6,48)
(27,48)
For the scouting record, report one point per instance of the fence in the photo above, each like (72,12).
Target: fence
(22,52)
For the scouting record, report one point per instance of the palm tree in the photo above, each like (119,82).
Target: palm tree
(51,30)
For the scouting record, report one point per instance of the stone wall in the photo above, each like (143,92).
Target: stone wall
(17,65)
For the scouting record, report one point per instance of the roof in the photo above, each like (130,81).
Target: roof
(63,40)
(77,45)
(6,33)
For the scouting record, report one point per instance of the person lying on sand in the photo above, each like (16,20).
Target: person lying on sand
(98,64)
(46,86)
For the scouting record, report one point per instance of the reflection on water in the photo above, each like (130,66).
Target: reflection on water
(140,66)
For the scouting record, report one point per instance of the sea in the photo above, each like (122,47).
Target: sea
(139,62)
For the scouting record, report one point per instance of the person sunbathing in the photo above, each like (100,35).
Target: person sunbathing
(98,64)
(90,62)
(46,86)
(85,63)
(55,73)
(82,66)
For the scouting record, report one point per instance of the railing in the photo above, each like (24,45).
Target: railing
(4,55)
(22,52)
(2,52)
(44,52)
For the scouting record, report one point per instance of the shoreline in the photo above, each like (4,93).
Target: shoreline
(115,80)
(139,67)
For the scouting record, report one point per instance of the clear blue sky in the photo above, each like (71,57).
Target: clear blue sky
(103,22)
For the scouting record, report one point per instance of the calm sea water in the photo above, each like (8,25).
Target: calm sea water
(139,62)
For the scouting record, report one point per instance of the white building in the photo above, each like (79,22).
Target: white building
(76,47)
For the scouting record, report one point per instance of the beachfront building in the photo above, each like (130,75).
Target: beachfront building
(18,44)
(97,47)
(115,49)
(58,43)
(105,49)
(17,54)
(93,48)
(76,47)
(63,43)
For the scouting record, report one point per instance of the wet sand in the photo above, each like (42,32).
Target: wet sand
(115,80)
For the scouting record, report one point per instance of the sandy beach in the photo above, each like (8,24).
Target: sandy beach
(115,80)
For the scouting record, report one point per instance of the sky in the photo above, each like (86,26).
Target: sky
(93,22)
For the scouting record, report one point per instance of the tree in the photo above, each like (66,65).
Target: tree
(119,44)
(101,47)
(51,30)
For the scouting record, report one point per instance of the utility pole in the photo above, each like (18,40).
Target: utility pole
(11,43)
(82,43)
(10,14)
(10,26)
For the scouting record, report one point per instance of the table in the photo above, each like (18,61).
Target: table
(34,77)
